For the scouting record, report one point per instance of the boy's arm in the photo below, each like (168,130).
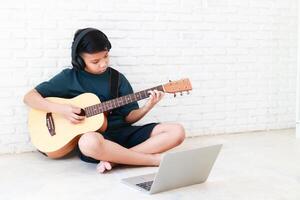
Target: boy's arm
(34,100)
(136,115)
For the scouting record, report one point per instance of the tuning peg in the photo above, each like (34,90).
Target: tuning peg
(188,92)
(180,93)
(174,95)
(170,81)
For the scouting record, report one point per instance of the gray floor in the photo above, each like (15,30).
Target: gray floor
(261,165)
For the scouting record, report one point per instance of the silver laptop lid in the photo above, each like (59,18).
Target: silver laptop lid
(179,169)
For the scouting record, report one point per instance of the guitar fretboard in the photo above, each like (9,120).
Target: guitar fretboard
(118,102)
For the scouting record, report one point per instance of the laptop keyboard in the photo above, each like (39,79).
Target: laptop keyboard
(145,185)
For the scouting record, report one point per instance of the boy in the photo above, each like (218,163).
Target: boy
(121,143)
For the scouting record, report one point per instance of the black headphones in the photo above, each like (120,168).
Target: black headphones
(77,61)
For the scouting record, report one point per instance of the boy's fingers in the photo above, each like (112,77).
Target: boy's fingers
(77,117)
(150,92)
(76,110)
(157,94)
(74,121)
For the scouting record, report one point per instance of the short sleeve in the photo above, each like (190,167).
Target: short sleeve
(125,89)
(55,87)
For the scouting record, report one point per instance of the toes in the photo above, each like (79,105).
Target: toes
(103,166)
(100,167)
(107,165)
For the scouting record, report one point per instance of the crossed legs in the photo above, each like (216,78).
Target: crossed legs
(163,137)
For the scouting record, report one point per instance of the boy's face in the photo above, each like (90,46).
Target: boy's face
(96,63)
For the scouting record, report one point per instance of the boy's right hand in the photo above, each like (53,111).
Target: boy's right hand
(71,113)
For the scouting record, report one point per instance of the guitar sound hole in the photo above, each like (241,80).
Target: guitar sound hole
(82,112)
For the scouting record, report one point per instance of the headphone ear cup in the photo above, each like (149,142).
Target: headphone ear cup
(80,62)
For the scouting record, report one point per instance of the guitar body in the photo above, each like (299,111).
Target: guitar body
(66,134)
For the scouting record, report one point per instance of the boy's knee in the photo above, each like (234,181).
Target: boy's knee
(90,142)
(180,133)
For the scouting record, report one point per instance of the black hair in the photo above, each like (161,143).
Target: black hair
(88,40)
(93,42)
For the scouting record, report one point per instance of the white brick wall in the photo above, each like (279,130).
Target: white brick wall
(239,54)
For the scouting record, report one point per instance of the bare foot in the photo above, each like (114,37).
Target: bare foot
(107,166)
(104,165)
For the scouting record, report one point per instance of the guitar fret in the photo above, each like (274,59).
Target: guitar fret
(107,106)
(114,103)
(142,95)
(137,95)
(134,97)
(104,106)
(93,110)
(100,109)
(119,101)
(110,105)
(90,110)
(146,94)
(129,99)
(117,104)
(86,110)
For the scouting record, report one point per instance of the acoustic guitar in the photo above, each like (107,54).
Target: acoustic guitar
(56,136)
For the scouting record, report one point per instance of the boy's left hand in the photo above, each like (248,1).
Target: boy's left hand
(155,97)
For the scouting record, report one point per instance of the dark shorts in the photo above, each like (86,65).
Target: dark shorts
(126,136)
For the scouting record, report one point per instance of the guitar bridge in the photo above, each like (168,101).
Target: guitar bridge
(50,124)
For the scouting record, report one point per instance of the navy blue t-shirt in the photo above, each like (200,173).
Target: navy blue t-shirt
(70,83)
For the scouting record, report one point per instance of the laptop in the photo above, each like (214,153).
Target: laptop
(178,169)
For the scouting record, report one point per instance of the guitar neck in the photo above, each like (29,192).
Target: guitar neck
(120,101)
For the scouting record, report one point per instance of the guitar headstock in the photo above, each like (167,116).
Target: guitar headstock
(183,85)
